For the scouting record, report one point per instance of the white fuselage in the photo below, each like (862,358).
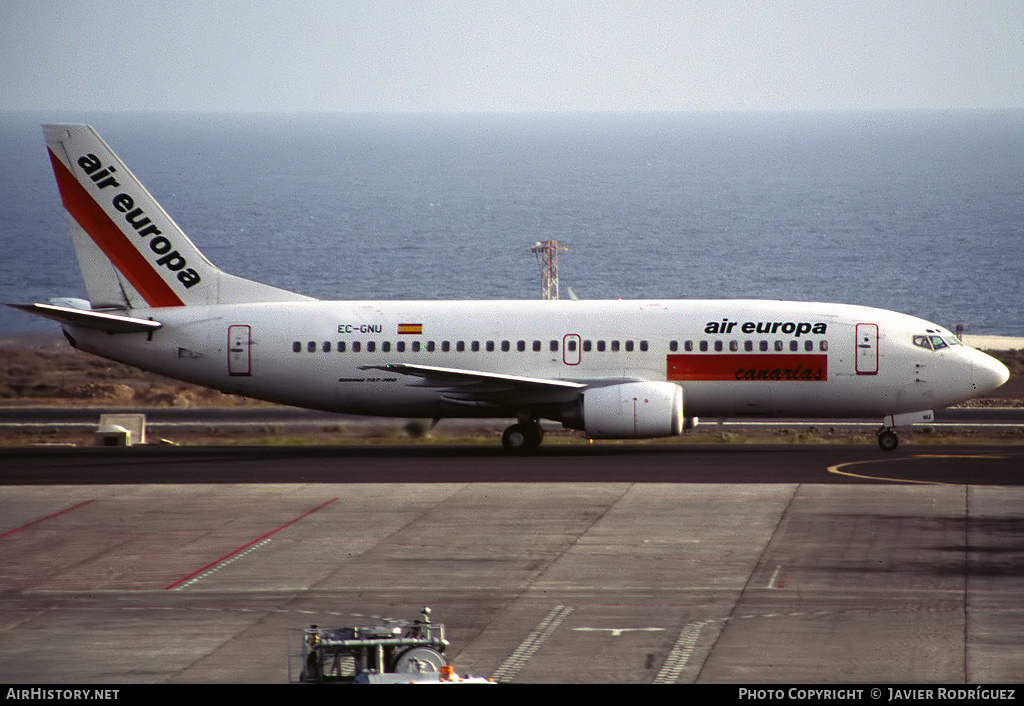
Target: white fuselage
(730,357)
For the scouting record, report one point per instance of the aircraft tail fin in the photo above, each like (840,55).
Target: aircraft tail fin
(131,253)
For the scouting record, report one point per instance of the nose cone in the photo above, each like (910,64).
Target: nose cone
(987,373)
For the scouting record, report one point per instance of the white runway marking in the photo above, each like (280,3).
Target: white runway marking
(533,642)
(676,661)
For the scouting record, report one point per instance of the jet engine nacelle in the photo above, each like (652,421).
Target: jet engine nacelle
(632,410)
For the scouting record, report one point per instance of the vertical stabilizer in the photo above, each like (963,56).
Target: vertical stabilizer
(132,254)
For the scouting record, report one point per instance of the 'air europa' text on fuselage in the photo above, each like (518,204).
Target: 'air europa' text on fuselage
(786,327)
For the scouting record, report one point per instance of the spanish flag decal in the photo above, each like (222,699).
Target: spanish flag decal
(415,329)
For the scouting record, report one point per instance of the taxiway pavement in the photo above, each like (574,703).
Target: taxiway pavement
(618,563)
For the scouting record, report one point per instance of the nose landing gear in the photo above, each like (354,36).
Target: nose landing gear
(887,439)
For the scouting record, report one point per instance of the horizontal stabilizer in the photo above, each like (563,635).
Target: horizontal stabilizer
(87,318)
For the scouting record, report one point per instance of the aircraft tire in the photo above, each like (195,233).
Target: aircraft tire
(522,438)
(887,440)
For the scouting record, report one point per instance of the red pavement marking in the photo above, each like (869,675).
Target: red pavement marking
(48,517)
(245,546)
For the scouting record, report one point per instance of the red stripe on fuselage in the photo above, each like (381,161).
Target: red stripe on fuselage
(111,240)
(748,367)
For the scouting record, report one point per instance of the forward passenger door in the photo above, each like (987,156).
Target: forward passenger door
(867,349)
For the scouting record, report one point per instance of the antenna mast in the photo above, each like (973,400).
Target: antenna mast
(547,256)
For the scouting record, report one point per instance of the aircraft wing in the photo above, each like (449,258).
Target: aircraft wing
(476,387)
(87,318)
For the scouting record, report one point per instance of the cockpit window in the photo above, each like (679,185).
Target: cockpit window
(935,343)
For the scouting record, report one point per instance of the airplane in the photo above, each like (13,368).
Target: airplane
(619,369)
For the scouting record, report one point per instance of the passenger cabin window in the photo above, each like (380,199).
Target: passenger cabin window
(928,342)
(764,346)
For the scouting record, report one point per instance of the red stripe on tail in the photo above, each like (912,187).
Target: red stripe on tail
(111,240)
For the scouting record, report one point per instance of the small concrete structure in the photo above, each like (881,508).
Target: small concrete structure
(112,435)
(121,430)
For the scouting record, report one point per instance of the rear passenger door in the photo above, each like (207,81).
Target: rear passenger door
(239,350)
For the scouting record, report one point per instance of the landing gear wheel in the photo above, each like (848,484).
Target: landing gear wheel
(522,437)
(887,440)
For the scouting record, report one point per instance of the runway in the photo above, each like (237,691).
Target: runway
(617,563)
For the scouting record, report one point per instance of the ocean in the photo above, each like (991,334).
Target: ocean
(917,212)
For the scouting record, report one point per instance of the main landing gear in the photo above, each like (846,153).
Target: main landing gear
(522,437)
(887,439)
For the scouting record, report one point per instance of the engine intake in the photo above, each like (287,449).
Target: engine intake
(632,410)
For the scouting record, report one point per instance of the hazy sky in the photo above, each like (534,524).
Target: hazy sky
(516,55)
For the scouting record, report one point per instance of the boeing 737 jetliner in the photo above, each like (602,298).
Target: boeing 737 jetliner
(613,369)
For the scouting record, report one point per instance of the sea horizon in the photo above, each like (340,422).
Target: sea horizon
(914,211)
